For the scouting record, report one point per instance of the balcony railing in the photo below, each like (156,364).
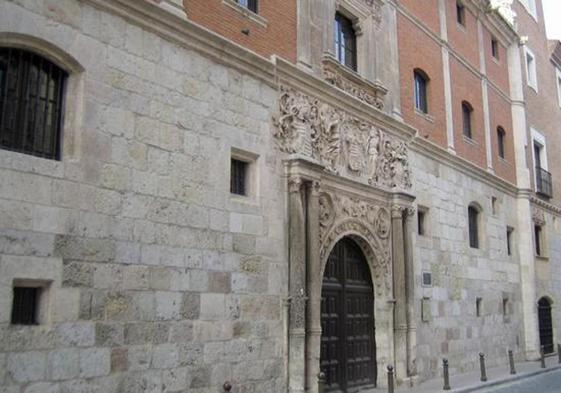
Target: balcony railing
(543,182)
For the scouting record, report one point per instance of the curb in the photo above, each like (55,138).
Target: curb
(505,381)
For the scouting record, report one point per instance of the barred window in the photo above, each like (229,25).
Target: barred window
(238,177)
(31,103)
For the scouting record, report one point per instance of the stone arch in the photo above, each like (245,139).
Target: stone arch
(74,89)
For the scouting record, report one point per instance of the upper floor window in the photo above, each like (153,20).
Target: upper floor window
(421,82)
(467,111)
(249,4)
(558,77)
(530,6)
(473,226)
(31,103)
(460,13)
(531,72)
(495,48)
(345,41)
(501,141)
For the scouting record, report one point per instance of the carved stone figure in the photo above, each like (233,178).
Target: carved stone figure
(504,8)
(345,145)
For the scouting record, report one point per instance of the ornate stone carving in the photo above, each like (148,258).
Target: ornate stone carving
(342,215)
(504,8)
(294,184)
(350,82)
(376,7)
(538,216)
(342,143)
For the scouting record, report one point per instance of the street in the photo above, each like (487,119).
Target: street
(544,383)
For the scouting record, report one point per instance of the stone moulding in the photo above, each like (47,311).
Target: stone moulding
(341,215)
(352,83)
(343,144)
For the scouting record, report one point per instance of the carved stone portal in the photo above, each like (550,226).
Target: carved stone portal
(344,144)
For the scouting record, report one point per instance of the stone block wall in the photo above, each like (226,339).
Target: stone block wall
(461,274)
(156,279)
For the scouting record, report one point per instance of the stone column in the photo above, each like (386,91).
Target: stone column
(525,245)
(297,286)
(409,228)
(313,312)
(399,290)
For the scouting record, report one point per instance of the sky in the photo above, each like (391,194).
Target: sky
(552,12)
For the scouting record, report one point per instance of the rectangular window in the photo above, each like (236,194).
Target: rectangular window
(25,306)
(345,42)
(421,91)
(558,75)
(473,227)
(531,73)
(460,13)
(238,177)
(538,240)
(494,205)
(427,279)
(478,305)
(509,232)
(249,4)
(530,6)
(501,141)
(466,119)
(495,48)
(421,222)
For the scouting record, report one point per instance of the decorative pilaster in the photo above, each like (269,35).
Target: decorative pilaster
(409,228)
(297,286)
(313,312)
(400,295)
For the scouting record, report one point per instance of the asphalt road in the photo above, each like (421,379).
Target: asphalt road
(543,383)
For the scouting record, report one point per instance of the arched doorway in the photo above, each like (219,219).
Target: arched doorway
(348,347)
(545,325)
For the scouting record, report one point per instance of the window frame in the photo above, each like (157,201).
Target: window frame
(420,90)
(474,226)
(501,138)
(251,5)
(251,177)
(41,84)
(467,120)
(343,24)
(509,243)
(495,49)
(531,69)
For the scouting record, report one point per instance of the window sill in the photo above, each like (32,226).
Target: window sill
(424,115)
(496,60)
(469,141)
(461,27)
(542,258)
(533,87)
(246,12)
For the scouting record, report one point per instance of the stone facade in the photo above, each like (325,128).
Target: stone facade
(155,278)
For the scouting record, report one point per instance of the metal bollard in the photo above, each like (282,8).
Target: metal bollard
(445,375)
(542,356)
(482,366)
(390,379)
(321,382)
(227,386)
(559,352)
(511,362)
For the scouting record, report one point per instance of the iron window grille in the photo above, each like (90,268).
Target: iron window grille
(238,177)
(25,306)
(31,103)
(544,184)
(421,81)
(249,4)
(345,42)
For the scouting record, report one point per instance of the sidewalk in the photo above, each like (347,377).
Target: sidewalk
(465,383)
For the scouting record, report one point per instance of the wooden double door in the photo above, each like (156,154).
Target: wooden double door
(348,347)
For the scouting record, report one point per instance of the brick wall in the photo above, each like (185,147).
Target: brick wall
(277,35)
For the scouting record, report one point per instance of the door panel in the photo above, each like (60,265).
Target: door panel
(348,350)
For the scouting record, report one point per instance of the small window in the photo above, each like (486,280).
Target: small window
(495,48)
(501,141)
(478,306)
(427,279)
(467,111)
(31,103)
(421,215)
(238,177)
(249,4)
(538,240)
(25,306)
(531,73)
(460,13)
(421,82)
(345,42)
(473,223)
(494,205)
(509,232)
(505,306)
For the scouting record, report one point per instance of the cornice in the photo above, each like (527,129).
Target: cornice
(435,152)
(546,205)
(183,32)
